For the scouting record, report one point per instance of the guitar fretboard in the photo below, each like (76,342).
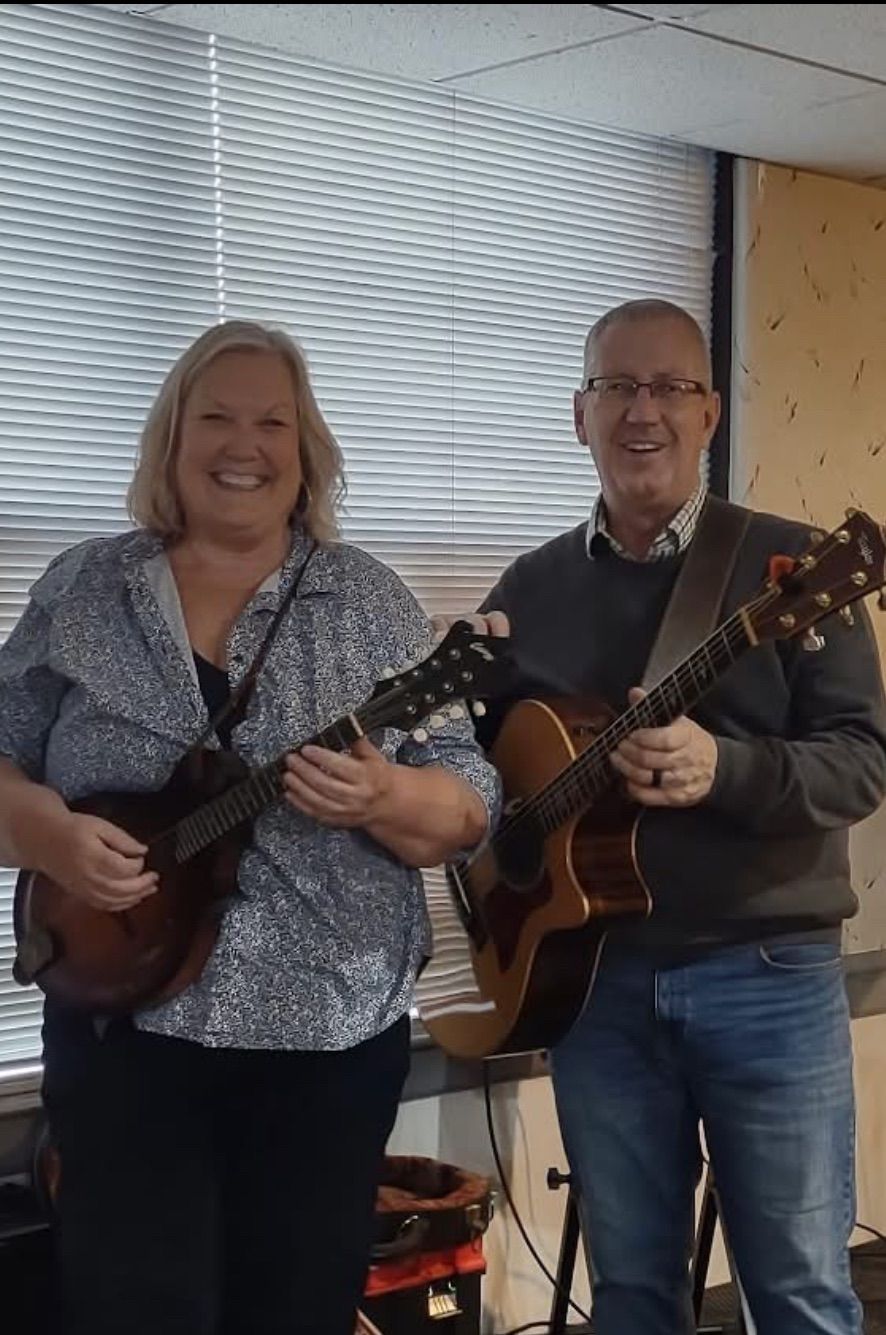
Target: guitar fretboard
(576,788)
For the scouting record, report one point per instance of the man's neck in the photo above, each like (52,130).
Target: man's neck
(636,530)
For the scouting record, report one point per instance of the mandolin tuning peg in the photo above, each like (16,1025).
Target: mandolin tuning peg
(478,709)
(437,720)
(456,712)
(388,672)
(420,734)
(846,616)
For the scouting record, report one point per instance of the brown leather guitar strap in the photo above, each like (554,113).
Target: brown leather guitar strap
(694,605)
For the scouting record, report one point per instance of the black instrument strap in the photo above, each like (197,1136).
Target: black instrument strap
(235,706)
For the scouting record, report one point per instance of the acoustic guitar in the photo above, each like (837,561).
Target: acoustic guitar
(515,962)
(196,828)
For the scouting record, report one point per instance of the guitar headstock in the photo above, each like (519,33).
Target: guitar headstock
(833,573)
(465,665)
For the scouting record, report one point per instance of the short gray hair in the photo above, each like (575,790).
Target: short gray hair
(634,312)
(153,499)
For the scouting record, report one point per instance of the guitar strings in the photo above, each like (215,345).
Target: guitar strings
(590,772)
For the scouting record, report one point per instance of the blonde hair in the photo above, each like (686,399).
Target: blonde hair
(153,499)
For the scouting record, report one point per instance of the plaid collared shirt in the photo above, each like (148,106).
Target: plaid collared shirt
(672,540)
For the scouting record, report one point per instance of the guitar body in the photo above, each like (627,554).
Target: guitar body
(535,909)
(112,963)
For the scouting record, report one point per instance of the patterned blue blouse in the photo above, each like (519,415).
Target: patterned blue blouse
(99,692)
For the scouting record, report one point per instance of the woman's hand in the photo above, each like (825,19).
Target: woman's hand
(342,790)
(421,814)
(96,862)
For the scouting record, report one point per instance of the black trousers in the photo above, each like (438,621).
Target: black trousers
(215,1191)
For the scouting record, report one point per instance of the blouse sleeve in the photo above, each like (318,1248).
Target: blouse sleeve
(30,692)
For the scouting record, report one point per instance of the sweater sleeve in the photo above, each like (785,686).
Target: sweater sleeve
(830,772)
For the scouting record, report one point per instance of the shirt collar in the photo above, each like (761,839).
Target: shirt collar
(673,540)
(145,563)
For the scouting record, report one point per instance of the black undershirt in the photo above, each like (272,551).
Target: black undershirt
(215,689)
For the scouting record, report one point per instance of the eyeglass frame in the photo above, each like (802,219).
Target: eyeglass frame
(695,387)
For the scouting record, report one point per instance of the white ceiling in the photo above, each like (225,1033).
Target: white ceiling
(800,84)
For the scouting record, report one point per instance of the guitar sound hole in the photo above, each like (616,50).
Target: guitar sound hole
(520,855)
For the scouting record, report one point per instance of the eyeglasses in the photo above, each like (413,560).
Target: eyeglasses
(620,389)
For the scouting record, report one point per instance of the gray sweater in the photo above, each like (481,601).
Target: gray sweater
(801,736)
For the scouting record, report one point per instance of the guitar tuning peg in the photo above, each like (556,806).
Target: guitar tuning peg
(812,642)
(846,616)
(478,709)
(437,720)
(387,672)
(456,712)
(420,734)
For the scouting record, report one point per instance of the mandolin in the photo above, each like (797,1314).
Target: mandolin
(196,828)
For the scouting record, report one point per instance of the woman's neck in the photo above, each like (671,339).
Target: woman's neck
(248,559)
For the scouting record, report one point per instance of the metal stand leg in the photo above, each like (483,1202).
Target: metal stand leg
(701,1260)
(568,1251)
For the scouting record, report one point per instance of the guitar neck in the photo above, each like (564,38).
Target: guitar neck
(577,787)
(249,798)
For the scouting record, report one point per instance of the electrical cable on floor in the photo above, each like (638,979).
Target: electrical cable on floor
(517,1220)
(530,1325)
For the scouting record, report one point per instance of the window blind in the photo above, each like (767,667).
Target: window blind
(442,260)
(107,268)
(439,258)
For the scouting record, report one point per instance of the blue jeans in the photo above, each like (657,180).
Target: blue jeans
(753,1042)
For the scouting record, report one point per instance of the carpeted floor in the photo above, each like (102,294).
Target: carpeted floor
(27,1303)
(868,1275)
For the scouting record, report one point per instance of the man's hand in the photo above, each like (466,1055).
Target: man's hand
(493,623)
(667,767)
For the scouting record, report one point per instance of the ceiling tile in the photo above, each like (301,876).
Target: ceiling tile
(663,81)
(846,37)
(134,9)
(671,11)
(410,41)
(843,138)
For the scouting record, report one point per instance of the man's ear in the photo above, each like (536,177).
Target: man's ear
(578,413)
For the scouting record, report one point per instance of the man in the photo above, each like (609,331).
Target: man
(727,1006)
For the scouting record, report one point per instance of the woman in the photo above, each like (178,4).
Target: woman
(220,1151)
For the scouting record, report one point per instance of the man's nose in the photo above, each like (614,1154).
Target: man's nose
(643,407)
